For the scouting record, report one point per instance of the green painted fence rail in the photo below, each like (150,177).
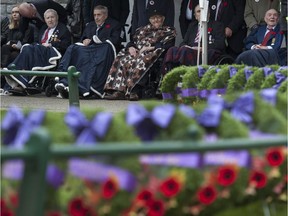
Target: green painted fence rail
(72,76)
(39,150)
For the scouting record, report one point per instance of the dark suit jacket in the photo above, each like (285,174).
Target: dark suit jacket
(42,6)
(117,9)
(63,36)
(257,36)
(217,35)
(183,21)
(232,16)
(110,30)
(140,12)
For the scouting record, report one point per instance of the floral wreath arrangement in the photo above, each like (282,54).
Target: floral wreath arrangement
(155,191)
(219,80)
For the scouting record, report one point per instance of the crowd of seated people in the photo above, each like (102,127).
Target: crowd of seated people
(115,71)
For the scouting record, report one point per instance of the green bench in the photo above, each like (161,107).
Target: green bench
(72,76)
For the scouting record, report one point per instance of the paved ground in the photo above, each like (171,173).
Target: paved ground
(57,104)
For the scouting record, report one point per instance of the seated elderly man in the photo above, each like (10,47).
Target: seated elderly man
(186,53)
(263,43)
(93,57)
(132,63)
(54,38)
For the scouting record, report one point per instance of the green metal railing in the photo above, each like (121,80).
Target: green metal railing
(72,76)
(39,151)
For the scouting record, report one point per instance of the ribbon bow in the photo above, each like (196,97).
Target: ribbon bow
(269,95)
(279,77)
(267,71)
(187,111)
(85,131)
(201,71)
(17,128)
(248,72)
(243,107)
(146,122)
(210,116)
(232,71)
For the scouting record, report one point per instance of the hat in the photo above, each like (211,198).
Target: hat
(154,12)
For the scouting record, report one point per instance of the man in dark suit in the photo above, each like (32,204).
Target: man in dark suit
(53,40)
(187,14)
(263,43)
(231,14)
(142,8)
(33,12)
(94,57)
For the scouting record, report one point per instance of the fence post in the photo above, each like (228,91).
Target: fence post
(73,86)
(33,185)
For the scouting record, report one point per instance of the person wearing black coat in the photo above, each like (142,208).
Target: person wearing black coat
(33,13)
(231,14)
(142,9)
(187,14)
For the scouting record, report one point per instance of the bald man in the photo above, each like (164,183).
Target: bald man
(33,12)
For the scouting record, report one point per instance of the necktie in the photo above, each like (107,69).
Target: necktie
(220,9)
(197,36)
(267,37)
(45,38)
(190,5)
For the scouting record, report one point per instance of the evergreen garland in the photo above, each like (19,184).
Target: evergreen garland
(283,87)
(270,80)
(210,73)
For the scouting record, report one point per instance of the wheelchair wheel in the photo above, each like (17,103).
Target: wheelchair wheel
(48,91)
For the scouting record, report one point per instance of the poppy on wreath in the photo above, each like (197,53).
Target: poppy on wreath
(156,208)
(275,156)
(226,175)
(170,187)
(53,213)
(6,212)
(76,207)
(109,188)
(145,196)
(207,195)
(258,178)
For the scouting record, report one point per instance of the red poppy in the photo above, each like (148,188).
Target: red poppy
(275,156)
(53,213)
(109,188)
(2,204)
(107,26)
(145,196)
(207,195)
(209,30)
(6,212)
(225,4)
(76,207)
(14,200)
(170,187)
(156,208)
(226,175)
(258,178)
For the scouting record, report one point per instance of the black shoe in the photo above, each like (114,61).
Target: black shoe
(90,97)
(18,91)
(62,90)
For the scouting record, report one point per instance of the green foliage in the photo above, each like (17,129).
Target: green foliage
(270,80)
(207,77)
(220,80)
(281,103)
(283,87)
(268,119)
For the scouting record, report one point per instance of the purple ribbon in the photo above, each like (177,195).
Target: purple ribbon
(189,92)
(269,95)
(85,131)
(240,158)
(14,170)
(98,172)
(201,71)
(204,93)
(187,111)
(243,108)
(267,71)
(232,71)
(211,115)
(17,128)
(191,160)
(146,122)
(279,77)
(167,96)
(248,72)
